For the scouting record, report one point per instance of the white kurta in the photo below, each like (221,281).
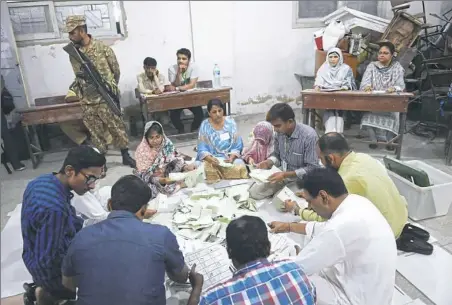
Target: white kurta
(353,254)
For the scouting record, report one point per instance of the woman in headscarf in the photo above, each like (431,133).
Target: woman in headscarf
(218,137)
(262,145)
(336,75)
(386,75)
(156,158)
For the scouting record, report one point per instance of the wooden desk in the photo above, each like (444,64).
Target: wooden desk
(49,114)
(184,100)
(359,101)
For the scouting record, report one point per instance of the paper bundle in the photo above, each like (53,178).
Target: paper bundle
(191,178)
(262,175)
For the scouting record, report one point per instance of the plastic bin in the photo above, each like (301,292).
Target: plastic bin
(425,202)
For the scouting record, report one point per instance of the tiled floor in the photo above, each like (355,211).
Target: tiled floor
(12,186)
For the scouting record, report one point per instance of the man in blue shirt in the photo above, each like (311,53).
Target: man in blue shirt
(49,222)
(123,260)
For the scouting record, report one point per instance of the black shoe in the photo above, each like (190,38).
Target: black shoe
(408,243)
(29,295)
(128,160)
(373,146)
(412,230)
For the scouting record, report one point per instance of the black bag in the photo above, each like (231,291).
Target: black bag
(7,102)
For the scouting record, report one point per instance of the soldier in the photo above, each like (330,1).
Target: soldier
(96,111)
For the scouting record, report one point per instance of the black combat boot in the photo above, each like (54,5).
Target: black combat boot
(29,295)
(127,159)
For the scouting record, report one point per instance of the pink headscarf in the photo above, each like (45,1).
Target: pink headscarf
(262,145)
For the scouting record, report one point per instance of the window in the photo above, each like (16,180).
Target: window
(44,21)
(312,14)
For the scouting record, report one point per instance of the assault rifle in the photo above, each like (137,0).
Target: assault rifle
(93,77)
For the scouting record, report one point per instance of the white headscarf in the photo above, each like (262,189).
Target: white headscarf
(335,77)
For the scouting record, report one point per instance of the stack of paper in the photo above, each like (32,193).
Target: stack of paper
(191,178)
(262,175)
(241,196)
(281,246)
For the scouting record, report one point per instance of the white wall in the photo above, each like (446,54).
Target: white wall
(252,41)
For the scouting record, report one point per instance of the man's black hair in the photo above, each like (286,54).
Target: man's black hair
(130,194)
(333,143)
(185,52)
(150,62)
(325,179)
(81,157)
(247,239)
(281,111)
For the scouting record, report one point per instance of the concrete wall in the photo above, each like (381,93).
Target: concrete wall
(252,42)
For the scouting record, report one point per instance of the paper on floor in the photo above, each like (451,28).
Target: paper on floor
(262,175)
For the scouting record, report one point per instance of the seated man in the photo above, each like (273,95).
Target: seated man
(183,76)
(150,82)
(49,222)
(123,260)
(352,256)
(294,151)
(362,175)
(258,281)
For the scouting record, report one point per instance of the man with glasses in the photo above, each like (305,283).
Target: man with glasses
(49,222)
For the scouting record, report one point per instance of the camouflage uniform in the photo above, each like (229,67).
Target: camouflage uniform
(96,112)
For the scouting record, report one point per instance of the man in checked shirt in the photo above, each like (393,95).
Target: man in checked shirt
(49,222)
(256,280)
(294,151)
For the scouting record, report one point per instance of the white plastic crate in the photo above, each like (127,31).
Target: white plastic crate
(425,202)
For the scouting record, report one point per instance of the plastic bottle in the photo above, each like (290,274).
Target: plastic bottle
(216,77)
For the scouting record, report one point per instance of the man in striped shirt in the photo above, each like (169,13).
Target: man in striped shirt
(258,281)
(49,222)
(294,151)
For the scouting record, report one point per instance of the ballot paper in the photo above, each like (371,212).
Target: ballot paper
(281,246)
(207,194)
(213,263)
(262,175)
(191,178)
(287,194)
(224,164)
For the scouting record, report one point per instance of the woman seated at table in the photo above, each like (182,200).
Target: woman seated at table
(262,144)
(156,158)
(334,74)
(386,75)
(218,137)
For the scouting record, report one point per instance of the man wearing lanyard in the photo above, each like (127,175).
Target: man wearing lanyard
(183,76)
(294,150)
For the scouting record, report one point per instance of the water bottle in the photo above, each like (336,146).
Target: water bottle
(216,77)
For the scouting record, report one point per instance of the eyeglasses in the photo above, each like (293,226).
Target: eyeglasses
(90,179)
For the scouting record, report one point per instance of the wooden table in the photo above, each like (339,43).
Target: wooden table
(37,115)
(183,100)
(359,101)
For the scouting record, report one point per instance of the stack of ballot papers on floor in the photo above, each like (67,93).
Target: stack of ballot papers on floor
(198,217)
(191,178)
(281,246)
(262,175)
(241,195)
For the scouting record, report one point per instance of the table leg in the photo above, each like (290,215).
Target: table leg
(34,160)
(312,123)
(305,116)
(401,132)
